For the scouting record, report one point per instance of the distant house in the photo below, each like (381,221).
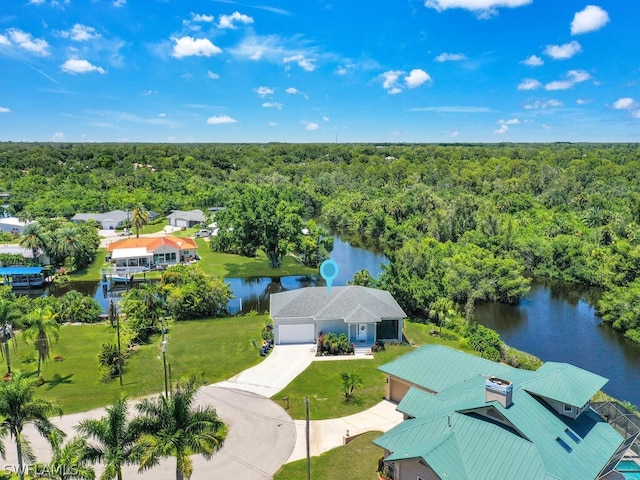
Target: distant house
(109,220)
(152,252)
(12,225)
(26,253)
(363,314)
(470,418)
(186,219)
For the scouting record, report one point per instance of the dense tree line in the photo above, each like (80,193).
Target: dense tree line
(464,222)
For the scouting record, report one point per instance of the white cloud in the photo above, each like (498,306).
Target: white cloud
(342,70)
(483,8)
(416,78)
(25,41)
(196,17)
(302,61)
(564,51)
(624,103)
(513,121)
(450,57)
(502,130)
(264,91)
(212,75)
(325,119)
(453,134)
(277,105)
(391,78)
(162,115)
(76,65)
(588,20)
(81,33)
(229,21)
(533,61)
(189,46)
(220,120)
(146,93)
(4,40)
(4,110)
(635,113)
(292,91)
(311,125)
(583,101)
(572,77)
(529,84)
(119,3)
(58,136)
(540,105)
(272,124)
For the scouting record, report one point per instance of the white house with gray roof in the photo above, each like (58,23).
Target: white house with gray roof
(364,314)
(187,219)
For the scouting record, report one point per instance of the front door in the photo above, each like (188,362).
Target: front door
(361,335)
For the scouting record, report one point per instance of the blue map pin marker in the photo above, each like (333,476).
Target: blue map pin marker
(329,271)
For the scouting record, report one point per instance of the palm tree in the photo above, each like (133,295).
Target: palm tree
(441,311)
(18,408)
(34,237)
(174,427)
(351,381)
(139,218)
(67,460)
(66,243)
(115,440)
(40,326)
(8,314)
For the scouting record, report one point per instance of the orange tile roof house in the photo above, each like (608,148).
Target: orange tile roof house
(152,252)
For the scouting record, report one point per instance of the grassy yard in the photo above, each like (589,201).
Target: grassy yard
(321,382)
(219,348)
(214,264)
(355,461)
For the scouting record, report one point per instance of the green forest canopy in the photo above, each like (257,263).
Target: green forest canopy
(467,222)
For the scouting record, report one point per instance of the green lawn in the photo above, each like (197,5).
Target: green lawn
(426,334)
(214,264)
(355,461)
(219,348)
(321,382)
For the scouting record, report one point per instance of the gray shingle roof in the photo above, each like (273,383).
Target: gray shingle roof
(352,304)
(190,215)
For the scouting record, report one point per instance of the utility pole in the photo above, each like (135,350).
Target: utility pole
(306,403)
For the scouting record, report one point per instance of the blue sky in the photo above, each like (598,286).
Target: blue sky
(320,71)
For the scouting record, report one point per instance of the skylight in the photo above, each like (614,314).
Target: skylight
(564,445)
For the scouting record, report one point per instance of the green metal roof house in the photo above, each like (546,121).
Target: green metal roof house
(468,418)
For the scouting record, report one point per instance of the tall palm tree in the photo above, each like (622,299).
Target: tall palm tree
(66,243)
(40,326)
(114,440)
(442,310)
(139,218)
(67,460)
(175,427)
(8,314)
(18,408)
(34,237)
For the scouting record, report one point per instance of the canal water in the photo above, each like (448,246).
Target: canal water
(556,321)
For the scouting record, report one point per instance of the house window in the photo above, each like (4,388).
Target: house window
(567,408)
(419,478)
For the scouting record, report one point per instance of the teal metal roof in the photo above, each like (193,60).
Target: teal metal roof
(525,433)
(565,383)
(436,367)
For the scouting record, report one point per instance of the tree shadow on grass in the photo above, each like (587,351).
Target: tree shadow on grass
(353,400)
(59,380)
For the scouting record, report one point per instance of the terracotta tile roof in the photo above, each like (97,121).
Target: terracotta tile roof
(151,243)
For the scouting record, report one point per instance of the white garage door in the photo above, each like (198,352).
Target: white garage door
(304,333)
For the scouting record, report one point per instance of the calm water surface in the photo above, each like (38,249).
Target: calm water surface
(556,323)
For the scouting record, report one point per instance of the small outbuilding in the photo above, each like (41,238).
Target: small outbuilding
(186,219)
